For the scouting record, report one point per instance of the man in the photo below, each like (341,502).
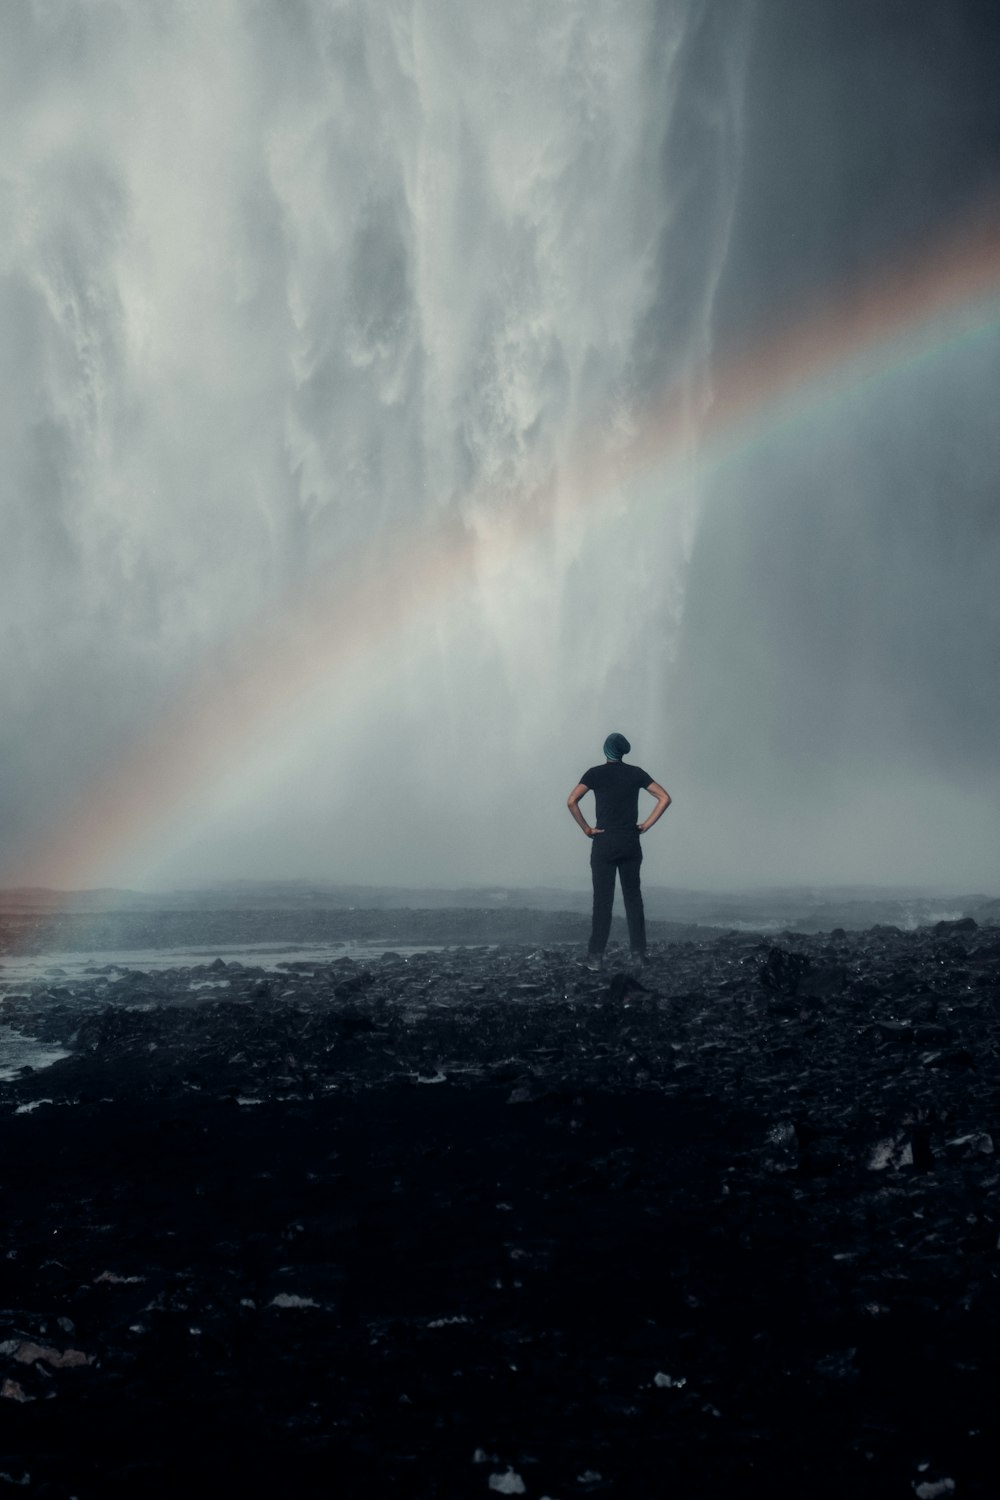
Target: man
(615,842)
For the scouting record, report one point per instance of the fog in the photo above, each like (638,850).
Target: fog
(294,292)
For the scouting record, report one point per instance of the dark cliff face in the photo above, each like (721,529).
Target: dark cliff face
(869,124)
(841,612)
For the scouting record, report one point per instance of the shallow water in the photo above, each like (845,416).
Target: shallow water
(72,967)
(19,971)
(18,1051)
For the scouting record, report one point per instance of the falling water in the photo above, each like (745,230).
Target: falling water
(284,279)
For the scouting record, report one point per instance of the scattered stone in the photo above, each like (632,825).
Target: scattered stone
(782,972)
(65,1359)
(976,1141)
(510,1483)
(894,1151)
(13,1390)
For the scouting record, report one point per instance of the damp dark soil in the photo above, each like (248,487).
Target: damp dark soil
(483,1222)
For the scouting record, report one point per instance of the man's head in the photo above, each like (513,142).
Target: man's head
(615,746)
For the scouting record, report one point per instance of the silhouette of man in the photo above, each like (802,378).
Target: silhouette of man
(614,842)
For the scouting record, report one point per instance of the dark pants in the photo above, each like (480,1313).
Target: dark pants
(620,853)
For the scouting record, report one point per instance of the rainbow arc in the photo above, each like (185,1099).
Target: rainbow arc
(925,303)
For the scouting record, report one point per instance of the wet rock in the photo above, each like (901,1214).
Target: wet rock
(57,1359)
(822,983)
(354,984)
(959,924)
(894,1151)
(901,982)
(508,1483)
(781,972)
(927,1034)
(934,1489)
(621,986)
(896,1031)
(13,1390)
(958,1057)
(977,1142)
(530,1091)
(781,1189)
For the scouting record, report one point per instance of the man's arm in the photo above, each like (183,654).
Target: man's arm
(573,803)
(663,801)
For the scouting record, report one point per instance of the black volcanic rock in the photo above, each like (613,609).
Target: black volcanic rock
(782,972)
(413,1225)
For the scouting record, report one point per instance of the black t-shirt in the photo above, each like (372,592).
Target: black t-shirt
(616,787)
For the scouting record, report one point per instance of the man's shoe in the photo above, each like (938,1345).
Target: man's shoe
(595,962)
(639,961)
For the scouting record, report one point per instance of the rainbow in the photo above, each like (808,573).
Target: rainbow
(915,309)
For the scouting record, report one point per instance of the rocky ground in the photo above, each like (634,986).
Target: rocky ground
(481,1221)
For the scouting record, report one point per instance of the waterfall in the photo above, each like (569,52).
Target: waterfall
(281,279)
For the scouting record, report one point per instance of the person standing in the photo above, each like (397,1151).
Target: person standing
(614,842)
